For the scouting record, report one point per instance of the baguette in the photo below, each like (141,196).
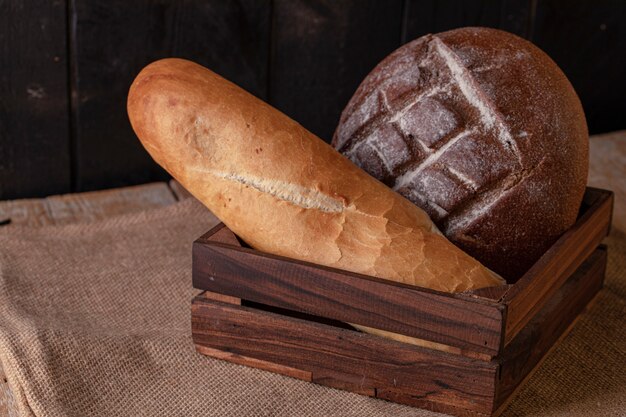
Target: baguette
(283,190)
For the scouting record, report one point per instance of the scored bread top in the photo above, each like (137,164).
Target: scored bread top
(482,130)
(282,189)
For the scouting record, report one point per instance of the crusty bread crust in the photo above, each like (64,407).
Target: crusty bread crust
(282,189)
(483,131)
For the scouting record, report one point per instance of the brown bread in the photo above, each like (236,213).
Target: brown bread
(484,132)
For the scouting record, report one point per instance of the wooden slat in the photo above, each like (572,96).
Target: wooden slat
(114,40)
(322,50)
(254,363)
(374,362)
(221,234)
(490,293)
(34,139)
(83,207)
(433,16)
(470,325)
(338,380)
(224,235)
(531,345)
(419,401)
(535,288)
(220,297)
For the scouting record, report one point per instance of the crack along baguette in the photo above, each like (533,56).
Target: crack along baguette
(283,190)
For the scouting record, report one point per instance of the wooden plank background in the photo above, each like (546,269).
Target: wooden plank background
(322,49)
(113,40)
(66,65)
(34,113)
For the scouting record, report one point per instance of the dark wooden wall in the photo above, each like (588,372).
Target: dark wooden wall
(66,65)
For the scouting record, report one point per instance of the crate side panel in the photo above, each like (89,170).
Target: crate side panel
(373,362)
(531,345)
(540,283)
(469,324)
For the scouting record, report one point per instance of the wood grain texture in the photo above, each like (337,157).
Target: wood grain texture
(220,297)
(587,40)
(491,293)
(220,234)
(34,141)
(532,344)
(535,342)
(545,302)
(472,325)
(321,50)
(85,207)
(535,288)
(364,360)
(113,40)
(471,322)
(270,341)
(419,401)
(433,16)
(255,363)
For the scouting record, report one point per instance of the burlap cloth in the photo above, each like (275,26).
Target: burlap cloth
(94,320)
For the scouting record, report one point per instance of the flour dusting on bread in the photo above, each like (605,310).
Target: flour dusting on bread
(304,197)
(458,122)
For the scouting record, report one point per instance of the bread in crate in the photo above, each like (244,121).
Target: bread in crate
(326,245)
(288,317)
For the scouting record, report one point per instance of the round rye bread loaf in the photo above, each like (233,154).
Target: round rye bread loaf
(484,132)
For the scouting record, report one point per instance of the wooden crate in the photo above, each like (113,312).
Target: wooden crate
(289,317)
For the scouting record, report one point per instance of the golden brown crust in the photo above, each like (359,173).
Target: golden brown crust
(283,190)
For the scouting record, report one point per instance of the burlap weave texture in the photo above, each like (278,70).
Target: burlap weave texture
(94,320)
